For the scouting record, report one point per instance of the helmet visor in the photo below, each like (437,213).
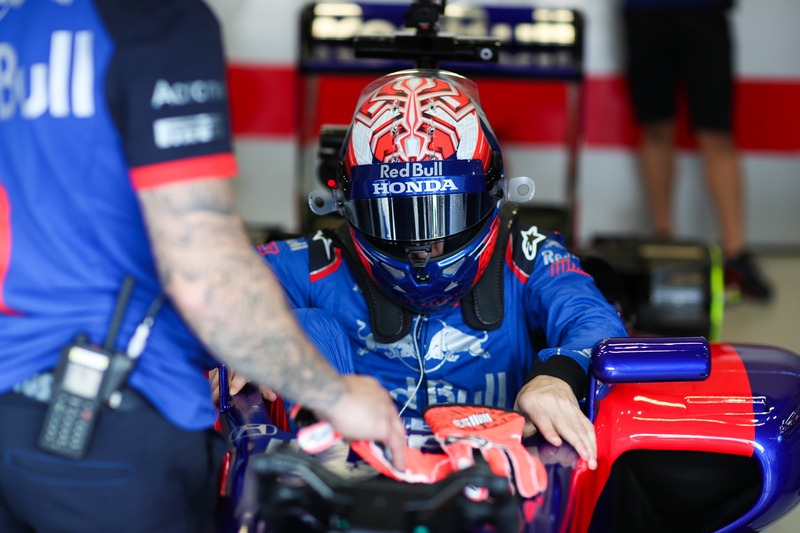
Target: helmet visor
(417,201)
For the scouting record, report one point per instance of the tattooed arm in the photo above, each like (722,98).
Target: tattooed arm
(235,306)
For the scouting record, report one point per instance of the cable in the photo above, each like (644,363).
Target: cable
(413,395)
(139,339)
(119,311)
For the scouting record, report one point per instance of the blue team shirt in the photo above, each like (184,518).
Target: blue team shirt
(99,99)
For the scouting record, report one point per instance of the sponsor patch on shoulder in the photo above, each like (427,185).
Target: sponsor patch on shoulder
(565,265)
(269,248)
(530,241)
(174,132)
(297,244)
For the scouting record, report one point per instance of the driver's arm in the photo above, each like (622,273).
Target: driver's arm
(575,316)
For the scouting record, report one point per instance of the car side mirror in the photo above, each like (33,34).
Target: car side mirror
(646,360)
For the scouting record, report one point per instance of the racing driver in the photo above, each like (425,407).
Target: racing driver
(442,294)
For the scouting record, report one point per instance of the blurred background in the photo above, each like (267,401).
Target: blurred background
(278,107)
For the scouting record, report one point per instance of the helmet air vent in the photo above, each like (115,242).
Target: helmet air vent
(452,269)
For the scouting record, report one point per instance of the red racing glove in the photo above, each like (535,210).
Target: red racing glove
(420,467)
(497,434)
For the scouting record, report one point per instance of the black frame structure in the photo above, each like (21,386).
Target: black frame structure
(475,41)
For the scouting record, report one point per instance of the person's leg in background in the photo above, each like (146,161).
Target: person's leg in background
(652,72)
(657,168)
(710,83)
(722,171)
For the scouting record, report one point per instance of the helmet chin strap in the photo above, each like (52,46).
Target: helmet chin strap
(415,252)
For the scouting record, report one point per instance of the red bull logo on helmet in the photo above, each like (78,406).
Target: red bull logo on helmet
(412,170)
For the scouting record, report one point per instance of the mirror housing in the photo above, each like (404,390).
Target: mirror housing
(647,360)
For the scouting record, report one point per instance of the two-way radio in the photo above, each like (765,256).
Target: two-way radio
(88,378)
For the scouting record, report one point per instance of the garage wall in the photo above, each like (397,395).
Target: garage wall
(261,40)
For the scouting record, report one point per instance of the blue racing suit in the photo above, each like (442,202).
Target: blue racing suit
(441,359)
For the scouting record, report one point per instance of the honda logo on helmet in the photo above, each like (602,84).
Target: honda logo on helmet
(391,188)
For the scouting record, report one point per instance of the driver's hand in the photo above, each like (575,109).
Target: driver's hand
(551,408)
(236,383)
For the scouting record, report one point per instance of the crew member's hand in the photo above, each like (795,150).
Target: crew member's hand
(366,411)
(551,408)
(236,383)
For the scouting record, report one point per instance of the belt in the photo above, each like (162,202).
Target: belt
(39,387)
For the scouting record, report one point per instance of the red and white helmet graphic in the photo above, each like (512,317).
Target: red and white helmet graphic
(413,117)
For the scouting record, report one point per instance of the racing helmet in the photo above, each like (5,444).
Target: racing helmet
(420,169)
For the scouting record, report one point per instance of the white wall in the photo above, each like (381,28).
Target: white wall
(264,32)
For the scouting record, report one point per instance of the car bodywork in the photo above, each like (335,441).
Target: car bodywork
(691,436)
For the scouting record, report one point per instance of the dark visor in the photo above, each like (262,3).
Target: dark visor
(419,218)
(417,201)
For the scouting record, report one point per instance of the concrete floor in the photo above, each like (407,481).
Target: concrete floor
(776,323)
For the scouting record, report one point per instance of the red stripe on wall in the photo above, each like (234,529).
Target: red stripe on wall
(608,121)
(768,114)
(335,102)
(270,101)
(263,100)
(536,116)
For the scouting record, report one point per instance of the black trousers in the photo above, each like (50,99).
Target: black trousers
(142,474)
(670,48)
